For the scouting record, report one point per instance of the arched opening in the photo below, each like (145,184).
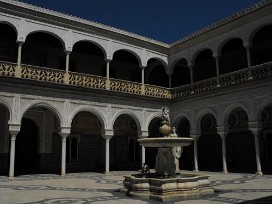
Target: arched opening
(8,45)
(151,152)
(181,74)
(209,145)
(205,66)
(43,50)
(85,148)
(240,143)
(233,56)
(27,159)
(266,139)
(38,144)
(155,73)
(125,66)
(4,140)
(125,151)
(186,159)
(262,46)
(87,58)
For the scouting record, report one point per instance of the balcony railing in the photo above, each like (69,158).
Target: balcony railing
(96,82)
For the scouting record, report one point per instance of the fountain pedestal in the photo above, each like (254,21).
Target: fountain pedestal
(165,184)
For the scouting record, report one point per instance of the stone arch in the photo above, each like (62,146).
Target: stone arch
(150,118)
(50,106)
(180,116)
(136,55)
(256,30)
(229,108)
(62,41)
(203,112)
(126,112)
(225,41)
(11,25)
(194,56)
(93,42)
(262,107)
(163,63)
(4,103)
(174,63)
(92,110)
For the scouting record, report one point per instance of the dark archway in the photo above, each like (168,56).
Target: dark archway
(27,159)
(240,143)
(209,145)
(43,50)
(266,140)
(262,46)
(205,66)
(233,56)
(155,74)
(4,140)
(125,66)
(125,151)
(87,58)
(151,152)
(186,159)
(181,74)
(85,148)
(8,45)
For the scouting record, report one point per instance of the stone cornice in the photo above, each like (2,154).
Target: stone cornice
(215,25)
(84,21)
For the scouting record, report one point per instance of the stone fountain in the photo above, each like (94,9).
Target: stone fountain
(165,184)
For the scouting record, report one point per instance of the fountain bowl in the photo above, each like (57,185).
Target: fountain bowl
(165,142)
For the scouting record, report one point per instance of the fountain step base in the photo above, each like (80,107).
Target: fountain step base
(167,189)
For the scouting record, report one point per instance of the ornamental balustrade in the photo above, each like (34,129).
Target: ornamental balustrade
(125,86)
(8,69)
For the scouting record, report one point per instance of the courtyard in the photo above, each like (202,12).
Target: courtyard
(101,188)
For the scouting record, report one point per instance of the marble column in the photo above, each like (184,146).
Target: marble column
(191,76)
(14,129)
(12,154)
(247,46)
(67,61)
(141,135)
(107,153)
(19,59)
(257,152)
(142,81)
(195,137)
(217,69)
(223,136)
(108,74)
(64,136)
(255,128)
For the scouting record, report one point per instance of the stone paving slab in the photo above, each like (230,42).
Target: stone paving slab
(100,188)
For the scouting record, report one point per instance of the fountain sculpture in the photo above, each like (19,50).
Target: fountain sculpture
(166,184)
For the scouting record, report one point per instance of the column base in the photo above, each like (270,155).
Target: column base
(63,175)
(225,172)
(218,85)
(11,178)
(196,170)
(259,173)
(107,173)
(249,78)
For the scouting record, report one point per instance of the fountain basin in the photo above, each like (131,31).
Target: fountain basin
(165,141)
(159,188)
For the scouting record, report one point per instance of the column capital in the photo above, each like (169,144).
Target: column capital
(68,52)
(107,133)
(143,134)
(65,132)
(216,55)
(255,127)
(14,129)
(247,45)
(222,129)
(190,65)
(20,42)
(142,67)
(107,60)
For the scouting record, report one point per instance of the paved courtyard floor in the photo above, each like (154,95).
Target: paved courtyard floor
(99,188)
